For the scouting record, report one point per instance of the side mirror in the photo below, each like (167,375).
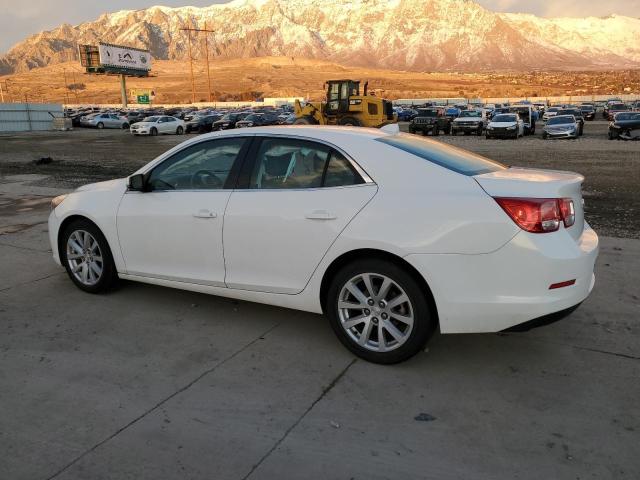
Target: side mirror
(137,183)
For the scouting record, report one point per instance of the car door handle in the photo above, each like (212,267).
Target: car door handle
(205,214)
(320,215)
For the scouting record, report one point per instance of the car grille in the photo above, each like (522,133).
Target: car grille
(467,124)
(423,121)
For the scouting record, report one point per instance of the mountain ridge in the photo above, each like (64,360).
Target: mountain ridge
(428,35)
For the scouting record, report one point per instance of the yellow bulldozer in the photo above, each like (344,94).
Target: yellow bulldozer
(346,106)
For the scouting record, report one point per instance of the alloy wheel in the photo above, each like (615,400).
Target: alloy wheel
(84,257)
(375,312)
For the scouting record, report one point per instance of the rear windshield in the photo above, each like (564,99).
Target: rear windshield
(452,158)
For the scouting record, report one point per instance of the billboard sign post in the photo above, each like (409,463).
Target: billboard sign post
(118,60)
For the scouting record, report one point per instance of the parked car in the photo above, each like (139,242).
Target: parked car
(469,121)
(625,125)
(577,113)
(158,125)
(615,108)
(452,112)
(550,112)
(588,112)
(104,120)
(505,125)
(201,123)
(468,245)
(431,120)
(257,120)
(561,126)
(406,114)
(228,121)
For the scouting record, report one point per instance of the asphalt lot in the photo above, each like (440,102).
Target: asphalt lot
(152,383)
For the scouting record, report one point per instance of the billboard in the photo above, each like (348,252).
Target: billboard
(120,57)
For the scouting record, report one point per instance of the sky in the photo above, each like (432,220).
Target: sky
(21,19)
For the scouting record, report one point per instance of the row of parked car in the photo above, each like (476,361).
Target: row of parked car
(566,121)
(179,121)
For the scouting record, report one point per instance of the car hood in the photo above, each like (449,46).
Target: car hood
(560,127)
(107,185)
(144,124)
(467,119)
(502,124)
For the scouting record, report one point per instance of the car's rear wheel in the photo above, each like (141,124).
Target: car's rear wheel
(125,126)
(87,258)
(379,311)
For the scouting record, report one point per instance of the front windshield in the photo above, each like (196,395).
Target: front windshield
(469,113)
(586,108)
(427,113)
(504,118)
(618,106)
(553,109)
(151,119)
(251,118)
(561,119)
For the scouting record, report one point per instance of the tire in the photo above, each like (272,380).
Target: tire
(125,126)
(479,131)
(454,133)
(581,131)
(417,306)
(100,125)
(179,130)
(488,137)
(305,121)
(350,122)
(447,130)
(435,131)
(153,132)
(94,247)
(544,135)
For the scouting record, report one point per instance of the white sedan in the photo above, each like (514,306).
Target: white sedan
(158,124)
(505,125)
(391,236)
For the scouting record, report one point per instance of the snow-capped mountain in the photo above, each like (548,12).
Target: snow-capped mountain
(421,35)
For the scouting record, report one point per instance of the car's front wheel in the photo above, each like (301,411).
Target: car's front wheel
(179,131)
(86,256)
(379,311)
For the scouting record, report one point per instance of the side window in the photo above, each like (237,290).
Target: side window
(289,163)
(171,119)
(340,173)
(204,166)
(373,108)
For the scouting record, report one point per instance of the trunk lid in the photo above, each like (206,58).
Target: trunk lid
(534,183)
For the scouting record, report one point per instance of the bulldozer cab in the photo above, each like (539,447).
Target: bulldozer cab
(338,94)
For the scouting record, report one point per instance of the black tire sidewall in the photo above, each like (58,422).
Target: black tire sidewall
(109,272)
(424,318)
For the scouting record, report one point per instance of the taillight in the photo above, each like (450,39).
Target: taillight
(539,215)
(568,211)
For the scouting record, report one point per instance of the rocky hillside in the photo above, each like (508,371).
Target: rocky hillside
(422,35)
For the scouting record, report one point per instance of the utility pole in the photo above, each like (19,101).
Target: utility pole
(206,42)
(66,85)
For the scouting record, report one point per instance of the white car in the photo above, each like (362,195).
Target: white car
(550,112)
(157,125)
(505,125)
(390,235)
(104,120)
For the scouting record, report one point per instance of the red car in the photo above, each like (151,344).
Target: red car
(616,108)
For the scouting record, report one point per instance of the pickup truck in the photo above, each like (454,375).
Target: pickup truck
(431,120)
(469,121)
(528,117)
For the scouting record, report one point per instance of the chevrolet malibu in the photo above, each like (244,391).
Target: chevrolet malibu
(390,235)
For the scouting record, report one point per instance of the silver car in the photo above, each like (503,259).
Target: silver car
(561,126)
(104,120)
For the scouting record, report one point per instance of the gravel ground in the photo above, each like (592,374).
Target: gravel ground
(611,168)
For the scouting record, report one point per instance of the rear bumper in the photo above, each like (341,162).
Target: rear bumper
(495,291)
